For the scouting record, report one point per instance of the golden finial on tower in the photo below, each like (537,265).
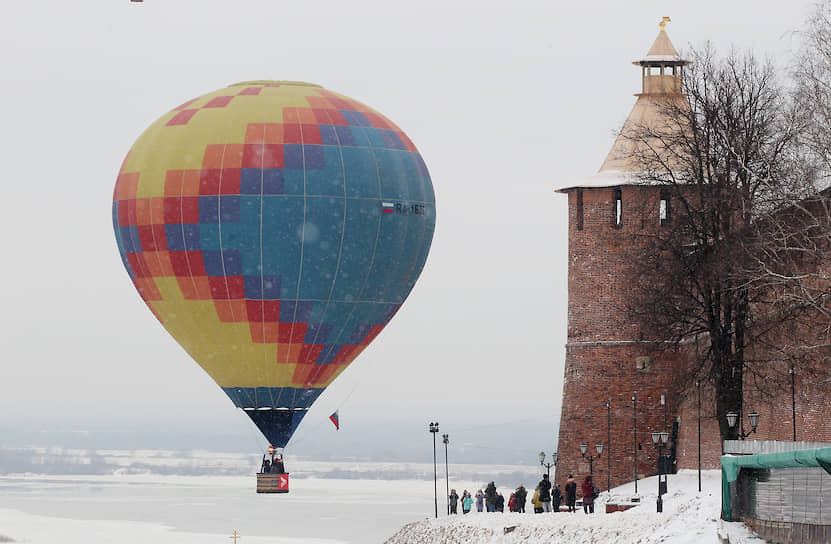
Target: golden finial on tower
(235,536)
(663,23)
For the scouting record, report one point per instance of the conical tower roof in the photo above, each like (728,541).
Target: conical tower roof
(662,71)
(662,50)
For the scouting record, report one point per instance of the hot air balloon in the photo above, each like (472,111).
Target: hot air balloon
(273,228)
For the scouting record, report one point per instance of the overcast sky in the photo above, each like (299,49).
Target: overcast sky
(504,103)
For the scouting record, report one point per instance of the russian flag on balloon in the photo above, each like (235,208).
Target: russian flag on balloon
(334,419)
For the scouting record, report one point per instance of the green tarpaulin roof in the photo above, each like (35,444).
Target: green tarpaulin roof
(732,464)
(800,458)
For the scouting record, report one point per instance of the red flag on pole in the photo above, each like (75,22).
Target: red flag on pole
(334,419)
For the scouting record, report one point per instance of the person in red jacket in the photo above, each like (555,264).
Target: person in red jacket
(588,495)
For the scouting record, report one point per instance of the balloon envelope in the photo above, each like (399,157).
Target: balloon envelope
(274,229)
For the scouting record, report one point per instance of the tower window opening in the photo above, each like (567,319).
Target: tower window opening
(579,209)
(618,209)
(664,208)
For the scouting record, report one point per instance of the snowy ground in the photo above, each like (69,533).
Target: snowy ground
(689,517)
(132,509)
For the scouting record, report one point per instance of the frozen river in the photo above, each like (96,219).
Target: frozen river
(38,509)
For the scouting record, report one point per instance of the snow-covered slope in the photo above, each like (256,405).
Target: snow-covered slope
(689,517)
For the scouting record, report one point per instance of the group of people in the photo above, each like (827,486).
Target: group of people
(542,499)
(490,499)
(274,465)
(547,499)
(467,501)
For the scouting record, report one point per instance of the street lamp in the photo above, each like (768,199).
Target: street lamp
(553,463)
(609,444)
(732,417)
(446,439)
(659,440)
(663,459)
(635,431)
(591,458)
(434,428)
(698,386)
(793,398)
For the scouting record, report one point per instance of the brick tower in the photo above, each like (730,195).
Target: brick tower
(609,358)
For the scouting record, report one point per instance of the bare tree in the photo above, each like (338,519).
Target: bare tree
(739,260)
(812,75)
(788,251)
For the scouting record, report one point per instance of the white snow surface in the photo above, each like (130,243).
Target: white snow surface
(45,530)
(688,517)
(133,509)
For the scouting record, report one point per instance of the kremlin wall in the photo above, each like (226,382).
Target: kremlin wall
(610,360)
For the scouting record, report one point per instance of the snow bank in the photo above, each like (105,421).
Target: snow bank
(689,517)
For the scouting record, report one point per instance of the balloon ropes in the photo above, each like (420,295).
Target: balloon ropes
(273,228)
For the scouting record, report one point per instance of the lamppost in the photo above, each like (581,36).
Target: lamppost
(663,459)
(732,417)
(446,439)
(659,440)
(635,431)
(793,398)
(609,445)
(591,458)
(553,463)
(434,428)
(698,386)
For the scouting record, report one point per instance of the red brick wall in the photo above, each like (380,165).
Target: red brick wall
(595,373)
(604,345)
(775,421)
(602,260)
(688,431)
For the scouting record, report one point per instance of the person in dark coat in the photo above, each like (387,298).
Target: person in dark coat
(556,498)
(588,495)
(454,500)
(519,498)
(279,467)
(545,493)
(490,497)
(571,493)
(500,503)
(266,466)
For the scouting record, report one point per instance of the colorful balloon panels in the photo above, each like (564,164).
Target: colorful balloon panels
(274,229)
